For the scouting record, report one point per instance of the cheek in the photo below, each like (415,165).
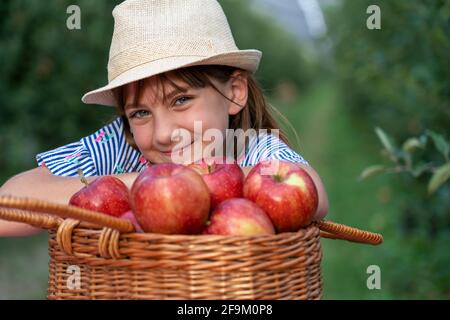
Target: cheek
(211,117)
(142,137)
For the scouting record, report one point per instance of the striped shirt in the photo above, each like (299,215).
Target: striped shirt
(107,152)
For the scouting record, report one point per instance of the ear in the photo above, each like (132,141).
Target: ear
(238,88)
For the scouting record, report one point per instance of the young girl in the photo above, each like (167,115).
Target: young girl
(173,65)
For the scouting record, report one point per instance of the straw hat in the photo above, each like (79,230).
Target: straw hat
(154,36)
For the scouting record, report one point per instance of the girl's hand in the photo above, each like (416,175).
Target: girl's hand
(246,170)
(128,178)
(322,208)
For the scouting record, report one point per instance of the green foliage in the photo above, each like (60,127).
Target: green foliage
(45,70)
(282,60)
(398,78)
(403,158)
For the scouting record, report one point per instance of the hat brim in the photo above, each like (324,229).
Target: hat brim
(244,59)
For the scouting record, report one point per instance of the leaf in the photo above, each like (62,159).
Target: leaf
(440,176)
(412,144)
(370,171)
(441,145)
(386,141)
(419,169)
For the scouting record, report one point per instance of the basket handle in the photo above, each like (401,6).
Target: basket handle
(334,230)
(48,215)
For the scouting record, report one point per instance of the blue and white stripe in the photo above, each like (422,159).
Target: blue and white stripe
(266,146)
(111,155)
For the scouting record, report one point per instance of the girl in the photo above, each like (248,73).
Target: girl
(173,65)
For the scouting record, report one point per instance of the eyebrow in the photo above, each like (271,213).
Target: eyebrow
(169,96)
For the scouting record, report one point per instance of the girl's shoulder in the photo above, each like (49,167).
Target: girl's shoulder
(264,146)
(104,152)
(111,152)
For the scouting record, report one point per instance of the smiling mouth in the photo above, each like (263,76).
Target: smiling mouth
(174,151)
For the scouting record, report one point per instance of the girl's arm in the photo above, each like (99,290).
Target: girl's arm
(40,183)
(322,208)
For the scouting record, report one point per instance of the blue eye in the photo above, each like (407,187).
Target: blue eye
(182,99)
(139,114)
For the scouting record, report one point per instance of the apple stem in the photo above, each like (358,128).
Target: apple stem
(278,178)
(82,177)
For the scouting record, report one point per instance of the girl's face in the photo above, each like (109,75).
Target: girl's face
(154,123)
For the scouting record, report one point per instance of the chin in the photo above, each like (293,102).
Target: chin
(185,158)
(159,157)
(156,157)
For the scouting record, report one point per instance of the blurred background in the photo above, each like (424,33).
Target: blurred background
(371,108)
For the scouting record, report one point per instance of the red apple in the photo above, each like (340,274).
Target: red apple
(171,199)
(129,215)
(284,191)
(239,217)
(224,179)
(105,194)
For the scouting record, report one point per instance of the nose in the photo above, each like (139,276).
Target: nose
(163,129)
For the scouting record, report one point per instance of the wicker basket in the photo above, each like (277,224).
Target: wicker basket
(116,263)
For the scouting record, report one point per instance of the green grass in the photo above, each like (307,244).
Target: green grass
(339,150)
(24,267)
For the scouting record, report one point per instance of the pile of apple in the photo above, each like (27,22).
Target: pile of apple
(208,198)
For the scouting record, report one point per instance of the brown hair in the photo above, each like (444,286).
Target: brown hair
(255,115)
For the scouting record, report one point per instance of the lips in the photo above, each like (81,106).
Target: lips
(170,152)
